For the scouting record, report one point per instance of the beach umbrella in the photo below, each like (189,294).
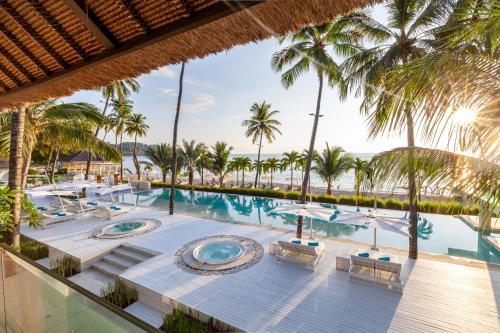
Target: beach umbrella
(306,210)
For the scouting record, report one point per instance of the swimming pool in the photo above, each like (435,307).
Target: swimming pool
(443,234)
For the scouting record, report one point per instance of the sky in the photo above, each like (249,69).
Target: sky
(219,90)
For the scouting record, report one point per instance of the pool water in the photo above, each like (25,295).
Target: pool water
(443,234)
(123,227)
(218,252)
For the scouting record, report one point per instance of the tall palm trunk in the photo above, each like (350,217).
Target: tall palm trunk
(164,176)
(237,177)
(310,152)
(412,195)
(271,177)
(202,182)
(27,162)
(121,151)
(48,161)
(174,143)
(329,188)
(15,166)
(190,176)
(257,172)
(243,178)
(136,161)
(291,176)
(54,162)
(96,133)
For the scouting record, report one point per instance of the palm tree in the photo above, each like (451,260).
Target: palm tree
(360,167)
(234,166)
(203,163)
(309,50)
(245,165)
(272,165)
(257,166)
(301,164)
(136,126)
(191,152)
(290,160)
(261,124)
(174,142)
(122,110)
(407,37)
(220,160)
(160,156)
(116,90)
(331,164)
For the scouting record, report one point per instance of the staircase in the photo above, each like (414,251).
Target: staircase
(121,259)
(109,267)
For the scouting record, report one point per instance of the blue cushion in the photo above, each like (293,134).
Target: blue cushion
(55,213)
(333,217)
(41,208)
(385,258)
(296,241)
(313,244)
(92,203)
(61,214)
(364,254)
(117,208)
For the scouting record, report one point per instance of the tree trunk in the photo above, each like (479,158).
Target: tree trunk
(190,176)
(27,163)
(221,181)
(15,166)
(237,177)
(329,189)
(121,161)
(136,161)
(291,177)
(54,164)
(271,177)
(310,152)
(257,172)
(243,178)
(412,195)
(96,133)
(48,161)
(174,143)
(164,176)
(202,171)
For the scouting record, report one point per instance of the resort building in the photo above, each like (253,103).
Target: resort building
(77,163)
(104,257)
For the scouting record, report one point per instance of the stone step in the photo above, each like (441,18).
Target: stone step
(108,268)
(119,261)
(136,249)
(146,313)
(92,280)
(129,255)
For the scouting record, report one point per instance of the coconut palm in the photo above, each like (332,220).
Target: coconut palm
(122,110)
(290,160)
(116,90)
(220,160)
(332,163)
(160,156)
(309,50)
(408,35)
(136,126)
(174,141)
(203,163)
(190,153)
(272,165)
(261,124)
(257,166)
(301,164)
(234,165)
(245,165)
(360,167)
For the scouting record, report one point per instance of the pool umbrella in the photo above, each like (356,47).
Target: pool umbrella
(306,210)
(376,222)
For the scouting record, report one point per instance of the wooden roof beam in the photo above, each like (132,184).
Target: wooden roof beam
(14,40)
(136,15)
(186,6)
(11,75)
(40,9)
(28,28)
(16,63)
(92,23)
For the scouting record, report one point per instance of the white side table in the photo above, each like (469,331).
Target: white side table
(343,262)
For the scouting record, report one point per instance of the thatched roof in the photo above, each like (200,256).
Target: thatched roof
(52,48)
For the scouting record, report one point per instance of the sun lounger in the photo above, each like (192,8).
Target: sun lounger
(380,270)
(110,211)
(301,255)
(55,217)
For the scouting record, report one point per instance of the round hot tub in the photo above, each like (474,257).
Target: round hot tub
(126,228)
(218,252)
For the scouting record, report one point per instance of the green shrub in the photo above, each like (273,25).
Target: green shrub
(119,294)
(33,249)
(447,207)
(66,266)
(179,322)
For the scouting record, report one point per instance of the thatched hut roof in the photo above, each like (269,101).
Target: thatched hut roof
(52,48)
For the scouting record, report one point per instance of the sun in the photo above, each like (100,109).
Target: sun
(464,115)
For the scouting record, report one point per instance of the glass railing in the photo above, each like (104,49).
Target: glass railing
(33,299)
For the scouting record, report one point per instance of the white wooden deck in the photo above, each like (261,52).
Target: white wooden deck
(270,297)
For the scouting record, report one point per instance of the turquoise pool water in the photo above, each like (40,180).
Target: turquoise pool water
(124,227)
(442,234)
(218,251)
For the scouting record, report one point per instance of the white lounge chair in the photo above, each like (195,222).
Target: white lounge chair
(373,270)
(55,217)
(111,210)
(301,255)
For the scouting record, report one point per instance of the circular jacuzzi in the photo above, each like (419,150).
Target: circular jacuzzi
(218,252)
(126,228)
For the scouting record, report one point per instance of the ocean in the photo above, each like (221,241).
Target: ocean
(345,182)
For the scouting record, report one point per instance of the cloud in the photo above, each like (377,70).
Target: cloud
(201,102)
(168,92)
(199,83)
(165,72)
